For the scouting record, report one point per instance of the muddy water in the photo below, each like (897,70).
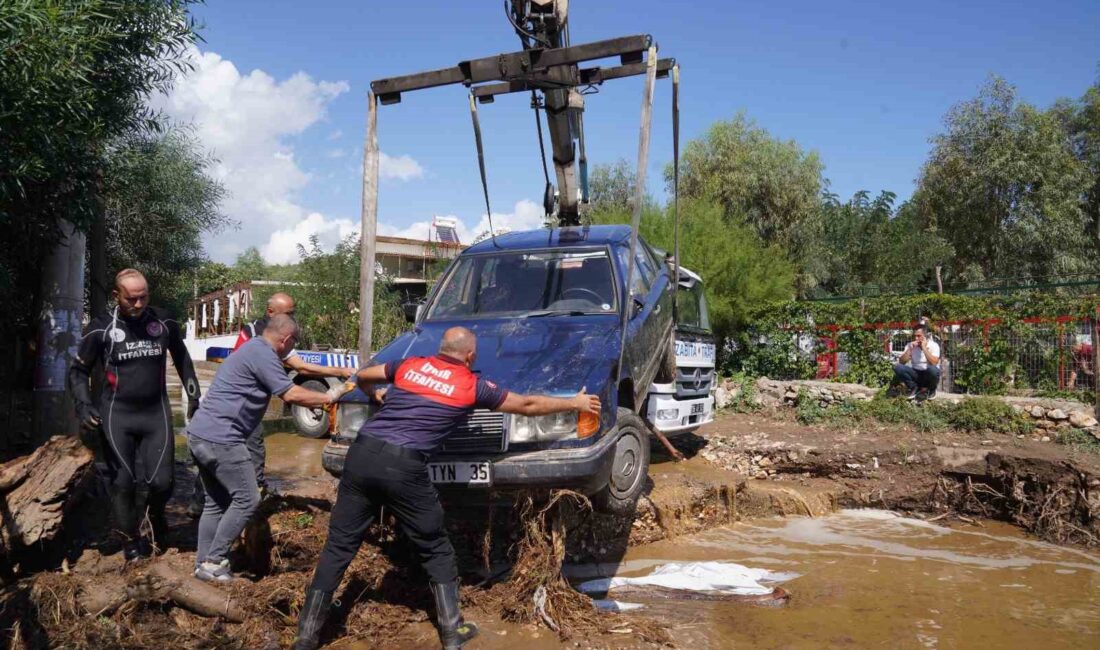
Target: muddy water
(871,579)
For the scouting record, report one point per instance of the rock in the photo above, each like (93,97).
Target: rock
(1044,424)
(765,462)
(1038,412)
(721,398)
(1082,420)
(987,442)
(1057,414)
(1044,439)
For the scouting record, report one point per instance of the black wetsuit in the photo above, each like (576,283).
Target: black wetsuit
(133,408)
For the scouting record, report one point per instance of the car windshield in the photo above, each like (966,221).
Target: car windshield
(692,306)
(532,282)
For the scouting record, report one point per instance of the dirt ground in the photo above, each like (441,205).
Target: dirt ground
(740,467)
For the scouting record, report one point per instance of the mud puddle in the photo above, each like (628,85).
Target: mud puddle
(873,579)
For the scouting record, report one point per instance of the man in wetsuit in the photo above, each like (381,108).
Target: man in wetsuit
(387,466)
(279,303)
(133,410)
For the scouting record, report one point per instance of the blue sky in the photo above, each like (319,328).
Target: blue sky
(865,84)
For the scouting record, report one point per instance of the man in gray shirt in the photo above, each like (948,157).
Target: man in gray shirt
(231,409)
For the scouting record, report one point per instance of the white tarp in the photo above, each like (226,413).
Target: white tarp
(724,577)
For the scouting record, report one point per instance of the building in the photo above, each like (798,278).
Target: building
(216,317)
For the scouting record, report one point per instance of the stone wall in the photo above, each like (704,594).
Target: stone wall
(1047,414)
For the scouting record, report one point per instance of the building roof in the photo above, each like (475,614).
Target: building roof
(554,238)
(418,242)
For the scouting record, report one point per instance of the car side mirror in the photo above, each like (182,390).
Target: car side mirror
(636,305)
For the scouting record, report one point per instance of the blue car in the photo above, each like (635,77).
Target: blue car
(547,307)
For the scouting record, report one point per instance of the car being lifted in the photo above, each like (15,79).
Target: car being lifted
(548,308)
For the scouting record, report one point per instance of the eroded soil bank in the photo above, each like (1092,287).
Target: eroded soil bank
(742,468)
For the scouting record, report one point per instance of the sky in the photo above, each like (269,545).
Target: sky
(278,96)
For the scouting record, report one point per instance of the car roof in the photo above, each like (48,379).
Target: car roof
(554,238)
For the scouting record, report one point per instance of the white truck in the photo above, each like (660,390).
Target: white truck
(688,402)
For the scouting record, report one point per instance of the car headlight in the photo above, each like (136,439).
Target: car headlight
(558,426)
(350,417)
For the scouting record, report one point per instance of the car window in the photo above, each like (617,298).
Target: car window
(639,285)
(518,282)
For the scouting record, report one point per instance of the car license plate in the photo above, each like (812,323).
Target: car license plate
(464,473)
(698,408)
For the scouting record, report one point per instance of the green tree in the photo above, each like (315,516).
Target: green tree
(612,187)
(158,201)
(867,243)
(326,290)
(739,271)
(1003,186)
(768,184)
(250,265)
(75,76)
(1081,120)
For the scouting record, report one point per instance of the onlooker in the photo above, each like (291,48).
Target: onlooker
(1082,362)
(919,367)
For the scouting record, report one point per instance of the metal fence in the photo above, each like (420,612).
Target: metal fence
(1042,354)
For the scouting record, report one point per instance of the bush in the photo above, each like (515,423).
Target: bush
(986,413)
(1078,439)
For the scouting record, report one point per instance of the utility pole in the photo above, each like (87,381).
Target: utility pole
(59,329)
(369,221)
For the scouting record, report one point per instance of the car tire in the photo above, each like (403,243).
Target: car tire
(629,467)
(311,423)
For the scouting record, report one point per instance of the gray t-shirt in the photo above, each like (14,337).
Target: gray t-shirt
(238,398)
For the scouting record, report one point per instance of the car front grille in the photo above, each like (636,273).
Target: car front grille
(483,431)
(694,382)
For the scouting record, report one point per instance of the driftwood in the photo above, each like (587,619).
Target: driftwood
(34,490)
(102,595)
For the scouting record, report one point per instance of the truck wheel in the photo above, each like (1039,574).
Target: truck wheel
(666,372)
(311,423)
(629,468)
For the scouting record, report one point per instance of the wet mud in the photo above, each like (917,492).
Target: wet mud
(756,490)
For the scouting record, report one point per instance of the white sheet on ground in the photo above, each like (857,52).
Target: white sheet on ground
(616,606)
(725,577)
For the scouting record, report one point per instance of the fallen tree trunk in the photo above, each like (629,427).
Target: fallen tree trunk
(102,595)
(34,491)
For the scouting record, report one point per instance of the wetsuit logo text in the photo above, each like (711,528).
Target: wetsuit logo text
(140,350)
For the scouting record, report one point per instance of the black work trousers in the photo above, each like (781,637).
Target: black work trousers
(375,476)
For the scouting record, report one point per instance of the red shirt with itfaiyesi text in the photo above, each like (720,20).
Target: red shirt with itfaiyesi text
(429,397)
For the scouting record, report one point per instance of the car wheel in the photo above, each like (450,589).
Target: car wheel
(629,468)
(311,423)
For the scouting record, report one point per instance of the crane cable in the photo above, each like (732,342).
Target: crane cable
(542,146)
(481,166)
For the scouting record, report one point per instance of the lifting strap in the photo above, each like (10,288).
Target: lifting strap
(481,165)
(639,194)
(676,190)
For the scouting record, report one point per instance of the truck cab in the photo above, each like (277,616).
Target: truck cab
(687,403)
(547,307)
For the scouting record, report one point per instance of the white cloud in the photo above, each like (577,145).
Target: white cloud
(245,121)
(402,168)
(336,135)
(335,153)
(282,247)
(525,215)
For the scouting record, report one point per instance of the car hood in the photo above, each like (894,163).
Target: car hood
(545,355)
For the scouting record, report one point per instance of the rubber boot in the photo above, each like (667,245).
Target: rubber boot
(311,619)
(453,631)
(122,511)
(158,523)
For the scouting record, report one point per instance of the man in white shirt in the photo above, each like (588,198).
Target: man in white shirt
(919,370)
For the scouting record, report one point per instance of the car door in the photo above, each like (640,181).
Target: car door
(648,328)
